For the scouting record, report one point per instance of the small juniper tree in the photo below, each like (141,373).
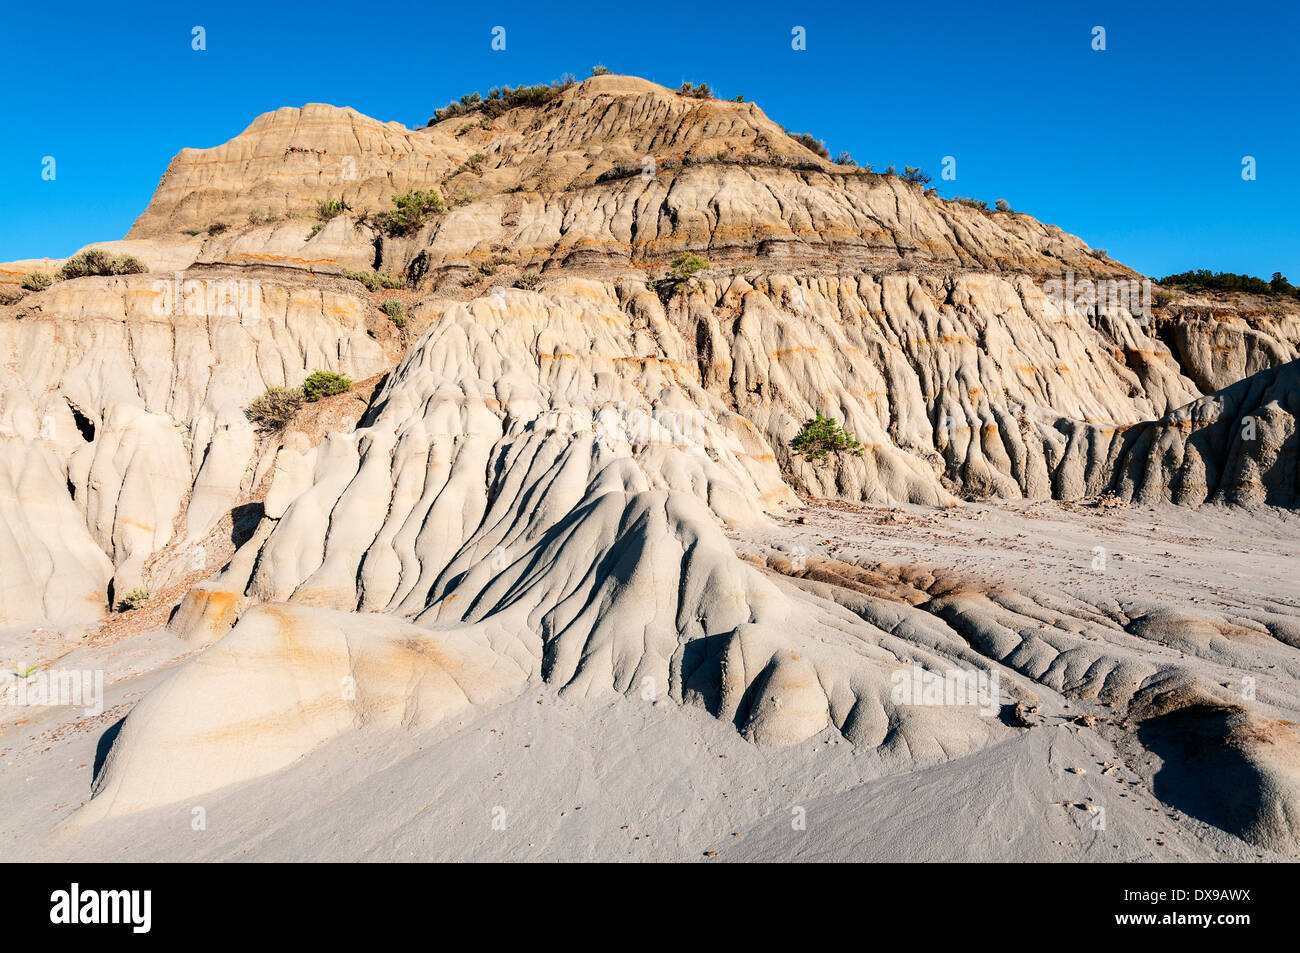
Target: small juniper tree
(413,208)
(822,436)
(684,267)
(324,384)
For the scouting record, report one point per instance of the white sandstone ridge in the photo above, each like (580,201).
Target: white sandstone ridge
(123,424)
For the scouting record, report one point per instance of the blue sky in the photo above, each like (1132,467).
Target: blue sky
(1138,149)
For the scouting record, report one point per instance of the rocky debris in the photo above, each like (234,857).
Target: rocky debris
(1022,715)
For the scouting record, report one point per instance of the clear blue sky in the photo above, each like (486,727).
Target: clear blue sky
(1138,149)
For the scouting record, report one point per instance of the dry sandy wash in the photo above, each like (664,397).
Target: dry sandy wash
(549,581)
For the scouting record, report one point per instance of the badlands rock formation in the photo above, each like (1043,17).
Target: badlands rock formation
(561,448)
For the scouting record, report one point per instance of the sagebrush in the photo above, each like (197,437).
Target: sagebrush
(275,408)
(395,311)
(134,599)
(375,280)
(96,261)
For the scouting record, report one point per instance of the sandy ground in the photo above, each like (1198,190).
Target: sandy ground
(1212,557)
(546,778)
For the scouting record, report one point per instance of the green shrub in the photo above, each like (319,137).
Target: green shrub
(327,209)
(971,203)
(808,142)
(37,281)
(845,159)
(96,261)
(316,230)
(914,175)
(262,217)
(599,71)
(475,161)
(701,91)
(134,599)
(412,210)
(396,313)
(375,280)
(216,228)
(685,266)
(274,409)
(528,280)
(486,269)
(822,436)
(1002,205)
(501,99)
(324,384)
(192,231)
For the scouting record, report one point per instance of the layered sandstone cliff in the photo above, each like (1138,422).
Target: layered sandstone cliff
(545,476)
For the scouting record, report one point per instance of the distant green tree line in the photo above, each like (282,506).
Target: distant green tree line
(1205,280)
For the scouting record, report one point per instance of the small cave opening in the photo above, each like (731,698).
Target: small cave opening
(244,520)
(85,425)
